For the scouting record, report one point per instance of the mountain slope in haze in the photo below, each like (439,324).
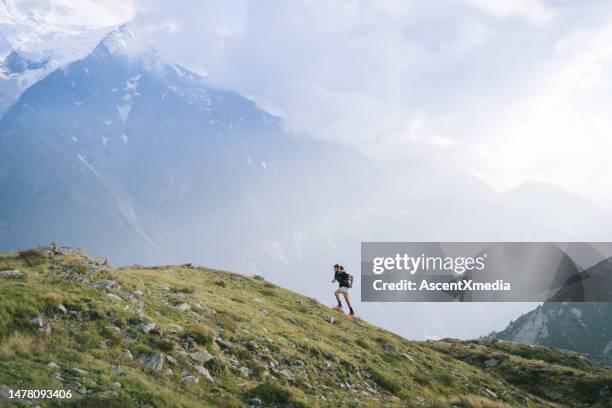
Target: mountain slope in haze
(579,326)
(582,327)
(134,157)
(544,204)
(190,336)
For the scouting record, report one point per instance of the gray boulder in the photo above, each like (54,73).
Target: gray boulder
(175,328)
(183,307)
(492,362)
(79,372)
(476,346)
(38,322)
(154,361)
(408,357)
(146,327)
(12,274)
(245,371)
(132,299)
(202,356)
(108,284)
(224,343)
(204,373)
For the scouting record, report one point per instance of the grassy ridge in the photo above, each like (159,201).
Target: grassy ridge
(563,377)
(189,336)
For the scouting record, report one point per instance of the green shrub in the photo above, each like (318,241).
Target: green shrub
(421,379)
(256,370)
(32,257)
(77,267)
(200,334)
(268,292)
(273,394)
(164,345)
(242,353)
(50,302)
(384,381)
(111,334)
(228,320)
(91,401)
(183,289)
(361,343)
(86,339)
(446,379)
(217,366)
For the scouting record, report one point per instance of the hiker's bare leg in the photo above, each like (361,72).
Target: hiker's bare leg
(339,306)
(348,302)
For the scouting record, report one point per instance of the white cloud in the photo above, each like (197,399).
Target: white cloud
(535,11)
(92,13)
(96,13)
(511,90)
(560,131)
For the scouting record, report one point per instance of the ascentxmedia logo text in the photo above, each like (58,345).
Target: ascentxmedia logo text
(486,271)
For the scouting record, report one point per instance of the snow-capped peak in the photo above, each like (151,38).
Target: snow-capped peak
(36,39)
(117,42)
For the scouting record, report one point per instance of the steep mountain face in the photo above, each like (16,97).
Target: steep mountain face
(139,158)
(581,327)
(191,337)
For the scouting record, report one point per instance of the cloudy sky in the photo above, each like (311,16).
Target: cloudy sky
(511,90)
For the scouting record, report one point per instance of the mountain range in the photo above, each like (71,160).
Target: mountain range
(144,161)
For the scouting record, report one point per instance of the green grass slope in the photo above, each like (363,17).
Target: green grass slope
(183,336)
(563,377)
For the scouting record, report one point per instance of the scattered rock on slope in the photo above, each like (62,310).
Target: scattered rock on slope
(202,356)
(154,361)
(12,273)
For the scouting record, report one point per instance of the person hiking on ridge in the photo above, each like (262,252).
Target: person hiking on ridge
(345,281)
